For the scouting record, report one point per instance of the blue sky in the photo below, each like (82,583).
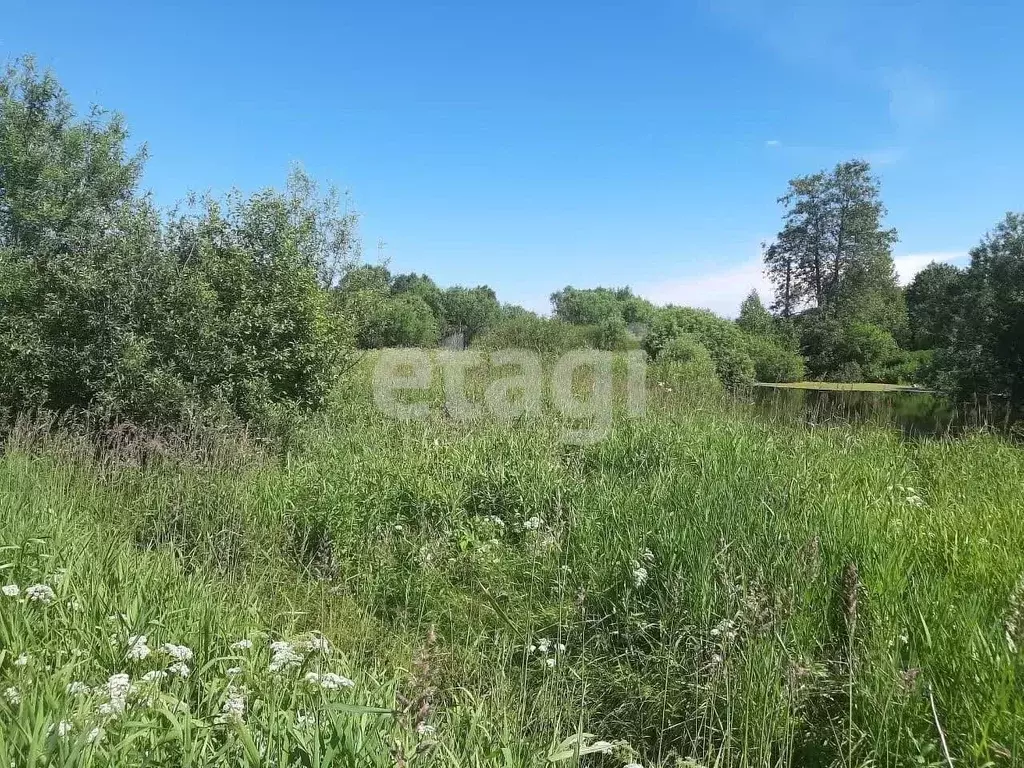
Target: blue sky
(532,145)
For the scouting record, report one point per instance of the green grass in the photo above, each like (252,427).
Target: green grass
(859,386)
(728,593)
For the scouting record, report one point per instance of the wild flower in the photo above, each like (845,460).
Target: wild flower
(62,729)
(179,669)
(22,660)
(551,662)
(533,524)
(233,709)
(640,574)
(40,593)
(241,645)
(725,629)
(318,644)
(283,656)
(13,696)
(425,729)
(77,688)
(329,681)
(915,501)
(10,590)
(137,648)
(118,686)
(177,652)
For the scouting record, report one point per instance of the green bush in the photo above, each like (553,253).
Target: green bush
(525,330)
(774,362)
(401,320)
(105,308)
(684,360)
(725,342)
(612,334)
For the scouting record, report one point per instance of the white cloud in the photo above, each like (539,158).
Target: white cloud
(909,265)
(773,143)
(721,291)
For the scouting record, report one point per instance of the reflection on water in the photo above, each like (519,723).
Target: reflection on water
(916,414)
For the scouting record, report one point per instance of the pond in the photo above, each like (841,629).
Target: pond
(916,413)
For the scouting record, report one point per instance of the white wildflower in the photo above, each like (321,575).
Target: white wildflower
(647,555)
(533,524)
(118,688)
(179,668)
(241,645)
(177,652)
(283,656)
(40,593)
(424,729)
(13,696)
(551,662)
(77,688)
(10,590)
(137,648)
(329,681)
(233,709)
(318,644)
(62,729)
(716,659)
(154,676)
(22,660)
(915,501)
(639,574)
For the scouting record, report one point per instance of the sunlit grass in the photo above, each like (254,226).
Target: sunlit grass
(699,586)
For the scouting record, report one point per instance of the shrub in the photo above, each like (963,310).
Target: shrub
(105,308)
(774,362)
(612,334)
(401,320)
(723,340)
(684,360)
(525,330)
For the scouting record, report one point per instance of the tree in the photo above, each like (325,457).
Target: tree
(933,302)
(986,350)
(105,308)
(754,318)
(468,311)
(725,342)
(832,252)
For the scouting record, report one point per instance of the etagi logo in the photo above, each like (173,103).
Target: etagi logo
(578,387)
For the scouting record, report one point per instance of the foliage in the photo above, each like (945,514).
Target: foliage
(985,354)
(106,308)
(525,330)
(723,340)
(594,306)
(933,301)
(684,360)
(498,593)
(401,320)
(754,318)
(612,334)
(468,311)
(774,362)
(832,252)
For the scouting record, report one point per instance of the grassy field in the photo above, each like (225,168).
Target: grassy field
(701,588)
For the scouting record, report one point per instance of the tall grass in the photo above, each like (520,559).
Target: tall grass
(701,587)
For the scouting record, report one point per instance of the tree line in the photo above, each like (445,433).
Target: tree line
(252,305)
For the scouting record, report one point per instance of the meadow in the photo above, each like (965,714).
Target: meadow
(703,587)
